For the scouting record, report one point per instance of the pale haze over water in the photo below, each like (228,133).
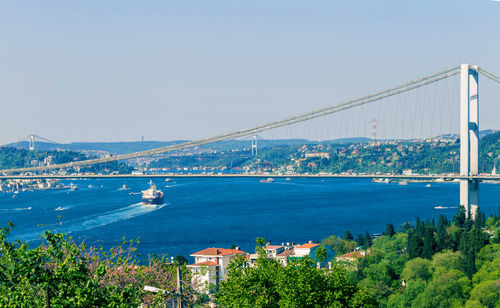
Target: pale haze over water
(117,70)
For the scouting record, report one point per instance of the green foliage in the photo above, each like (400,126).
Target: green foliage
(340,246)
(297,284)
(18,158)
(429,265)
(76,276)
(321,253)
(389,230)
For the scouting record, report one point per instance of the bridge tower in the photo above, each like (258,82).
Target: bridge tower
(469,138)
(31,142)
(254,145)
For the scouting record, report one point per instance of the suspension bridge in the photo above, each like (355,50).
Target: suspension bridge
(469,137)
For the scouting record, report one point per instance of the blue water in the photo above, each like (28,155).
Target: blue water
(201,213)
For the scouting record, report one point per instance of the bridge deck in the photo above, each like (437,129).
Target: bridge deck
(171,175)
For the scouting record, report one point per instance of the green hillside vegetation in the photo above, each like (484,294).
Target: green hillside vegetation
(433,157)
(18,158)
(443,264)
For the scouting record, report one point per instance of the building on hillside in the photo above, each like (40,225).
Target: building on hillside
(210,266)
(351,256)
(319,154)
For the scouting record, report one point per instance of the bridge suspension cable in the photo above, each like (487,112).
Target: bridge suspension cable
(488,74)
(414,84)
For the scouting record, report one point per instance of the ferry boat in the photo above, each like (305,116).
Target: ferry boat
(268,180)
(152,195)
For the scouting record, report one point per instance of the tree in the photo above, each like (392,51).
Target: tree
(389,230)
(486,293)
(415,245)
(348,236)
(321,254)
(297,284)
(442,237)
(180,259)
(360,239)
(459,218)
(368,240)
(416,269)
(450,289)
(76,276)
(429,243)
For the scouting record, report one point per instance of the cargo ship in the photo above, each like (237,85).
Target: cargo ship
(152,195)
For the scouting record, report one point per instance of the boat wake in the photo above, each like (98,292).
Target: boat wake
(94,221)
(439,207)
(16,209)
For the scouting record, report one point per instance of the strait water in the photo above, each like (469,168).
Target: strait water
(201,213)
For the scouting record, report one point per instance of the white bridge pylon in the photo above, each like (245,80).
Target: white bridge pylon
(469,138)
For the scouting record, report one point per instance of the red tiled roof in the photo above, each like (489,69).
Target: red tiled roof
(354,254)
(308,245)
(205,263)
(219,252)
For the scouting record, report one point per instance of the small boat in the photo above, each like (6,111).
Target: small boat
(268,180)
(428,185)
(288,179)
(403,183)
(58,208)
(439,207)
(73,187)
(124,187)
(168,180)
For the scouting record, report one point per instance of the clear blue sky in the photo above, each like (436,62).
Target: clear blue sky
(114,70)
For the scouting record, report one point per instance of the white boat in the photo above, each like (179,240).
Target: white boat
(58,208)
(73,187)
(428,185)
(268,180)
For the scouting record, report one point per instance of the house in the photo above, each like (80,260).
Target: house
(319,155)
(210,266)
(351,256)
(308,249)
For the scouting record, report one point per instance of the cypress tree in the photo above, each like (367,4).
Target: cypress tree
(368,240)
(347,236)
(360,240)
(389,230)
(420,227)
(459,218)
(442,237)
(415,244)
(429,243)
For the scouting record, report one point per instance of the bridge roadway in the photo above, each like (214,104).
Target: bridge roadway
(446,177)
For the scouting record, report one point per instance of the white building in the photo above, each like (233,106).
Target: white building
(210,266)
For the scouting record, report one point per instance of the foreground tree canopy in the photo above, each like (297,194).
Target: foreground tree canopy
(297,284)
(76,276)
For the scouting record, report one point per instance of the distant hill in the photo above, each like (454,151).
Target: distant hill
(135,146)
